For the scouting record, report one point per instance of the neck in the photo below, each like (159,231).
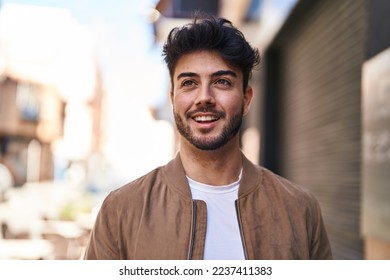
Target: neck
(218,167)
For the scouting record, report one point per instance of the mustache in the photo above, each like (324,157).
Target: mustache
(204,110)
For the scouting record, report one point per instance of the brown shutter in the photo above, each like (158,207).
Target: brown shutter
(320,51)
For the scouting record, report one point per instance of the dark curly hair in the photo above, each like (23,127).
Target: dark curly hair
(212,34)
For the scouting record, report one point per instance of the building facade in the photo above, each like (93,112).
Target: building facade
(312,112)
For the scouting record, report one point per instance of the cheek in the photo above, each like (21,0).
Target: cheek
(181,102)
(233,105)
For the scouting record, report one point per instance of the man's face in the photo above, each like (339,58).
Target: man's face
(208,99)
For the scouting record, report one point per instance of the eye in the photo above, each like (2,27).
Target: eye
(223,82)
(188,83)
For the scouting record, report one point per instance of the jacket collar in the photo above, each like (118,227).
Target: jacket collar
(175,176)
(251,177)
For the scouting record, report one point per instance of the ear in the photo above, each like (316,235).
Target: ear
(247,99)
(171,94)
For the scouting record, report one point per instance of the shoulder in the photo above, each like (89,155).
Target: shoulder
(135,191)
(267,185)
(169,178)
(287,191)
(275,181)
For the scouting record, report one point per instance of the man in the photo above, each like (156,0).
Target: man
(210,202)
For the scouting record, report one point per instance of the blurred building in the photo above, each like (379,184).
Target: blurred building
(306,121)
(50,92)
(51,97)
(311,117)
(31,118)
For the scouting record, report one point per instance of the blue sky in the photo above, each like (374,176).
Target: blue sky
(120,23)
(89,11)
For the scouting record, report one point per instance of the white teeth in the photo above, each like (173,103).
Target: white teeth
(205,118)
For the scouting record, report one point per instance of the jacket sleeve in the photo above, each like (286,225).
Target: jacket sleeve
(320,246)
(103,243)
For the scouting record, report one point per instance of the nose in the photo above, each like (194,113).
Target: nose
(205,96)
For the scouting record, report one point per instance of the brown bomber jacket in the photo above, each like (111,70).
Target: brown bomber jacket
(154,217)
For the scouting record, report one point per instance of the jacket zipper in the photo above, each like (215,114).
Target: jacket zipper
(191,249)
(241,232)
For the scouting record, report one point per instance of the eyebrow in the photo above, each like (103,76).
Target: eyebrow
(186,74)
(224,72)
(215,74)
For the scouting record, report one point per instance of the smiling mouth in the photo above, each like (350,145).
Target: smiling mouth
(205,119)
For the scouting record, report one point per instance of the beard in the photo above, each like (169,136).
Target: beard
(209,143)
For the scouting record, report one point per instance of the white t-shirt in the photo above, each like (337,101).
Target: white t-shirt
(223,238)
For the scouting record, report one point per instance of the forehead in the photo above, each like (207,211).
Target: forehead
(202,63)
